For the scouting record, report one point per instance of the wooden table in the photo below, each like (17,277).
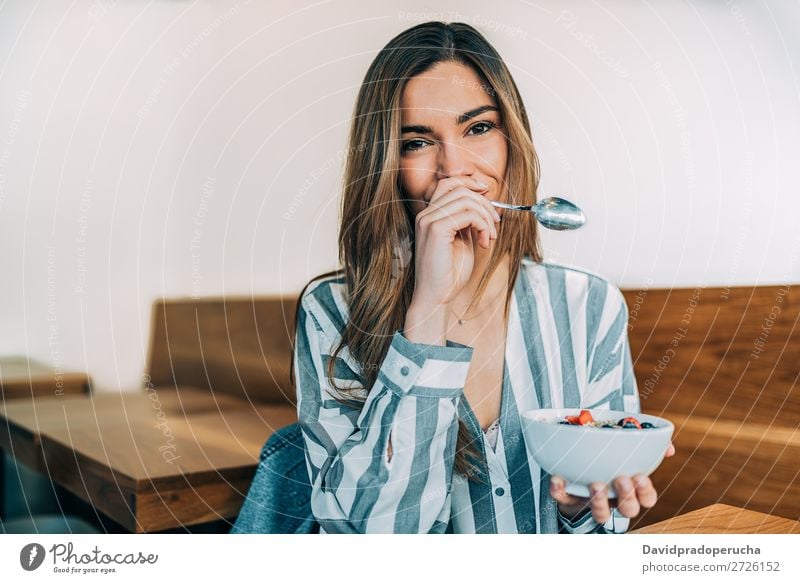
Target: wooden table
(150,460)
(22,377)
(722,519)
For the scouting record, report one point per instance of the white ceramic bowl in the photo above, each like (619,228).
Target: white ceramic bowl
(582,455)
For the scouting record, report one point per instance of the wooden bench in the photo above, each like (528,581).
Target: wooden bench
(722,364)
(239,346)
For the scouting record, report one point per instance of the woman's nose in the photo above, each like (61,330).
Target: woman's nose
(454,160)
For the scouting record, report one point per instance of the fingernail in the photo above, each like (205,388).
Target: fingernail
(625,485)
(639,480)
(482,184)
(556,482)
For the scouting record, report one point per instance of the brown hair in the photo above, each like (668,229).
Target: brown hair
(376,223)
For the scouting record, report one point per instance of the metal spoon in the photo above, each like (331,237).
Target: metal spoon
(552,212)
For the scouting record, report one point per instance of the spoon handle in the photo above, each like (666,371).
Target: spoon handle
(515,207)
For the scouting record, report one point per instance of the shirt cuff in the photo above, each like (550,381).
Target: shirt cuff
(586,524)
(420,369)
(581,524)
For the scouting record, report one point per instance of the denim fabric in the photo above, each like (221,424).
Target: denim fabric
(279,499)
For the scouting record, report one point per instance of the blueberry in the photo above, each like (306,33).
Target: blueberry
(647,425)
(564,423)
(629,425)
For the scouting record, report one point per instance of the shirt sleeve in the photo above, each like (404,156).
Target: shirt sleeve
(612,385)
(355,488)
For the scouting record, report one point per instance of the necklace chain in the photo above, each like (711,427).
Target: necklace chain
(462,319)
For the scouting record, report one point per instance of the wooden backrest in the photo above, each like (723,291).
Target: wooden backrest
(235,345)
(718,352)
(714,352)
(723,365)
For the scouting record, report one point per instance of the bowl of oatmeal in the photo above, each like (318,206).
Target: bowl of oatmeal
(594,445)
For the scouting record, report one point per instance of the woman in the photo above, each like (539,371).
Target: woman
(414,362)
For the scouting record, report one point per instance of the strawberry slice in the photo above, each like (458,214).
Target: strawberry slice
(632,420)
(573,419)
(585,417)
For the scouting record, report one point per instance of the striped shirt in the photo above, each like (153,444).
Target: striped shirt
(566,346)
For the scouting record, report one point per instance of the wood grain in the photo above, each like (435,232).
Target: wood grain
(723,365)
(183,459)
(729,363)
(240,346)
(21,377)
(722,519)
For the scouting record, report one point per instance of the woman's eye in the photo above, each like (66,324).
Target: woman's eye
(408,145)
(485,126)
(482,126)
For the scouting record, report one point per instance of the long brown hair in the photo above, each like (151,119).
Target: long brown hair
(376,224)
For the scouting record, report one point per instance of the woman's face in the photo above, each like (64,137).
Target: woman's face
(436,144)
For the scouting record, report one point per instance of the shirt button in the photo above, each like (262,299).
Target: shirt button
(499,491)
(404,371)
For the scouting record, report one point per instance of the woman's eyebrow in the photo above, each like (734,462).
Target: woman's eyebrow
(460,119)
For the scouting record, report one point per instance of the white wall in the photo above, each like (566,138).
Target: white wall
(179,148)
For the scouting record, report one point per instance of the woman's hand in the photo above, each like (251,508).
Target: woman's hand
(633,493)
(444,256)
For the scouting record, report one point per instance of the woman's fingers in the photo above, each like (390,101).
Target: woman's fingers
(633,494)
(645,491)
(465,194)
(601,511)
(670,450)
(461,191)
(627,500)
(446,185)
(452,223)
(449,209)
(559,494)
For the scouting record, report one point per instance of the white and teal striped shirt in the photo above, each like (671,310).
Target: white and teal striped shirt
(567,346)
